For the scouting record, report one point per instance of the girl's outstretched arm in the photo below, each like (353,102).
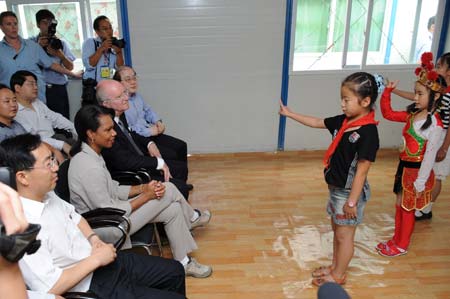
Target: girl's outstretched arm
(386,108)
(404,94)
(310,121)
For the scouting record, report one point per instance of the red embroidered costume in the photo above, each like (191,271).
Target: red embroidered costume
(415,171)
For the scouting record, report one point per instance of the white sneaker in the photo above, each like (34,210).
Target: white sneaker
(202,220)
(197,270)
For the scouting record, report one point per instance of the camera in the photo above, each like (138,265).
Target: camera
(120,43)
(14,247)
(88,95)
(53,42)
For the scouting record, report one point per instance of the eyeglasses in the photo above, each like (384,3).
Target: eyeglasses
(52,162)
(31,83)
(123,97)
(129,79)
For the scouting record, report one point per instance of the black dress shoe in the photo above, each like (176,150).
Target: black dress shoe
(190,187)
(424,216)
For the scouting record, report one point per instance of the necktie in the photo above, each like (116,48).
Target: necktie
(127,133)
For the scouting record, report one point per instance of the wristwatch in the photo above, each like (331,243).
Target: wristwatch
(351,204)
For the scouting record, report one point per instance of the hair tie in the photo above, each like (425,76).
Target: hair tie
(380,82)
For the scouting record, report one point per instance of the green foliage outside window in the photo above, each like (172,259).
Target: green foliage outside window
(315,20)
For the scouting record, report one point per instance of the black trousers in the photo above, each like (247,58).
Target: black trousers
(171,148)
(135,276)
(58,99)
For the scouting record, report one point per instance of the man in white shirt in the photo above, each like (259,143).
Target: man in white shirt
(36,117)
(71,256)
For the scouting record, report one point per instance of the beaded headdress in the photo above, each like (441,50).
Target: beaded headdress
(427,76)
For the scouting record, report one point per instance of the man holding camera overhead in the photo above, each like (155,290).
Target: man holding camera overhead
(59,51)
(103,54)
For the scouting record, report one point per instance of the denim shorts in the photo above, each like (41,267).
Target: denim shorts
(338,198)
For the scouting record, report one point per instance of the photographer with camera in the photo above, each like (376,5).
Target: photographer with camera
(103,54)
(17,53)
(59,51)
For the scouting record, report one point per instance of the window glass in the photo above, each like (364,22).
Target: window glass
(397,30)
(315,42)
(403,39)
(106,8)
(2,8)
(67,14)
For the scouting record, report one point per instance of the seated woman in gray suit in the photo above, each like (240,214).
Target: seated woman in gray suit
(91,186)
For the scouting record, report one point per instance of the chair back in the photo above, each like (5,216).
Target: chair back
(62,185)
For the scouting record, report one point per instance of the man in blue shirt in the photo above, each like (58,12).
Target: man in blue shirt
(56,91)
(100,56)
(8,110)
(19,54)
(144,121)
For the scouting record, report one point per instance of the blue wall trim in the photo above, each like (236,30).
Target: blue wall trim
(285,72)
(126,31)
(387,56)
(445,24)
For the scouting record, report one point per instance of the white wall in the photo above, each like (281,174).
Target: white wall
(212,70)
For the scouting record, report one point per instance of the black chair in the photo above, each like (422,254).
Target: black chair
(146,238)
(98,218)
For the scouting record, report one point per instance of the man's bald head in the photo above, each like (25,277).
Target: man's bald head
(112,94)
(107,90)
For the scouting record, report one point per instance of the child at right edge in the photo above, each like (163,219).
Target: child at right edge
(441,166)
(414,179)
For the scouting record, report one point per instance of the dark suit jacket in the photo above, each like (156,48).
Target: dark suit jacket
(123,156)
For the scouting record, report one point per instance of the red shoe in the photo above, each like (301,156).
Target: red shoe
(382,245)
(391,251)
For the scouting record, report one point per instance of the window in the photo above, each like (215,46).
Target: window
(330,34)
(70,16)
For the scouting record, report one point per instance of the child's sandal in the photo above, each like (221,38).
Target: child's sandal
(321,271)
(318,281)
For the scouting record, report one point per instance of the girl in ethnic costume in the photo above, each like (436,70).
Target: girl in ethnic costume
(421,140)
(441,166)
(347,162)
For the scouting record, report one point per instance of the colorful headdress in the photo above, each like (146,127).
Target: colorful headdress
(427,76)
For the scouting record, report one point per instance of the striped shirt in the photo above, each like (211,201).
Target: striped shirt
(444,110)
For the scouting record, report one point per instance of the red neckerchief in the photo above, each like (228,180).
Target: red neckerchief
(366,120)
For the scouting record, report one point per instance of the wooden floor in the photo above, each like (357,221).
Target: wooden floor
(270,229)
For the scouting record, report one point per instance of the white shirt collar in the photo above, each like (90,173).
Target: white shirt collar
(33,208)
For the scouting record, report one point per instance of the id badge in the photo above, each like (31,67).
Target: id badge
(105,72)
